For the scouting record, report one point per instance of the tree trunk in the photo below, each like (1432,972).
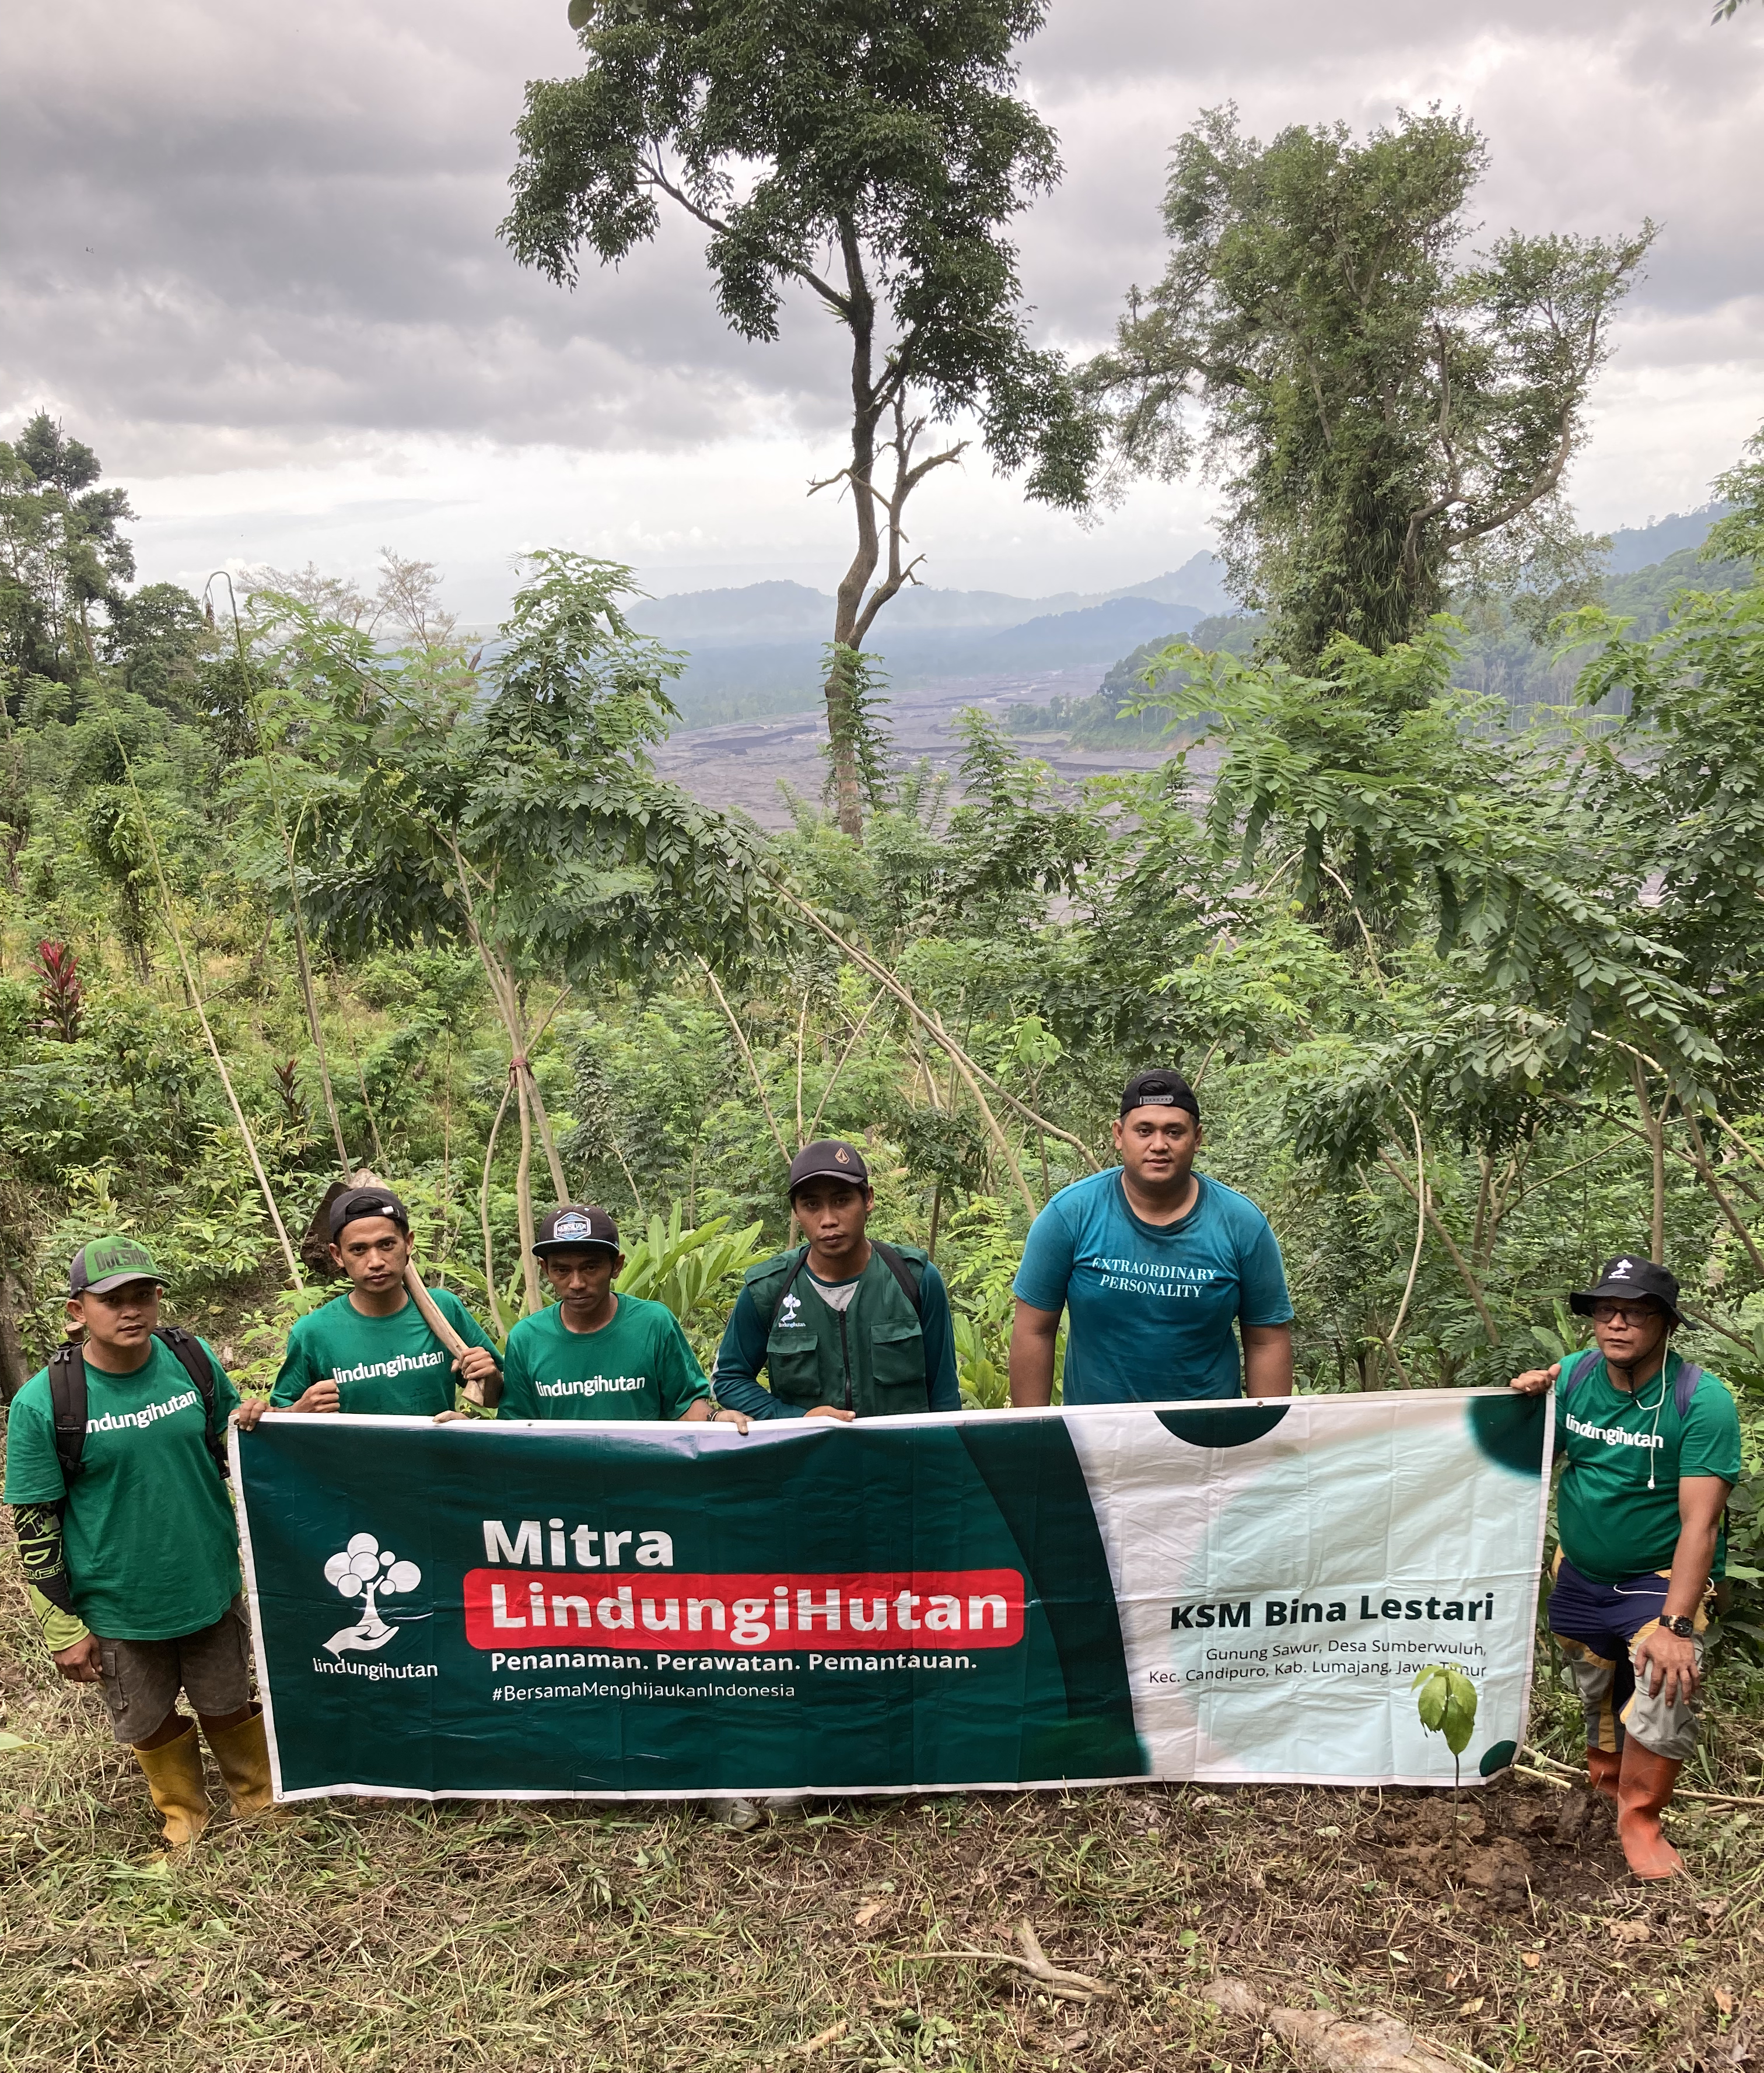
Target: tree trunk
(1654,1128)
(523,1196)
(849,796)
(13,1373)
(490,1295)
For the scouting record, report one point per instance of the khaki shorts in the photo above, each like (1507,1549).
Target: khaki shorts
(142,1679)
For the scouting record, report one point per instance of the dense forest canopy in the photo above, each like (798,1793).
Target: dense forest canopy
(1468,1001)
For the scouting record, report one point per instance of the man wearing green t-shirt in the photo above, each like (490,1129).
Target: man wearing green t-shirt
(594,1352)
(1649,1448)
(131,1556)
(369,1352)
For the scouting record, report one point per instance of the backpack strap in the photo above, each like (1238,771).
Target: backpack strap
(68,1397)
(783,1289)
(1685,1384)
(1574,1371)
(195,1361)
(898,1267)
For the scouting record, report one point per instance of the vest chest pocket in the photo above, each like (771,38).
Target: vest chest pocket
(897,1367)
(793,1365)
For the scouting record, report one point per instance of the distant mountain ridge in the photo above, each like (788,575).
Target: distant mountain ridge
(1640,547)
(777,611)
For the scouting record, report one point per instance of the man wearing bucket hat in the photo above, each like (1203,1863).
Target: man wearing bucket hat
(594,1352)
(1648,1448)
(369,1350)
(845,1326)
(114,1469)
(1153,1265)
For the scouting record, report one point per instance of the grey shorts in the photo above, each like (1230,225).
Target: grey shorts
(142,1679)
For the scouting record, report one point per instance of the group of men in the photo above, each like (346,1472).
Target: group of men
(1172,1287)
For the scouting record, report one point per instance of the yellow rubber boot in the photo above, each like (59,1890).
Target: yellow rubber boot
(243,1755)
(174,1773)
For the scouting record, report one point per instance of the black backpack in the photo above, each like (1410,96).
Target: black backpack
(890,1259)
(68,1395)
(1685,1383)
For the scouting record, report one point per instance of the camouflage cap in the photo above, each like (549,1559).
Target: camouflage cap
(108,1262)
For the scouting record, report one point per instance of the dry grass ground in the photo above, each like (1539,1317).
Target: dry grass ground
(1500,1925)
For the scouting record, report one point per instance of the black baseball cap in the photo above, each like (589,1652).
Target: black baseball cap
(575,1226)
(104,1263)
(367,1202)
(1162,1090)
(829,1159)
(1628,1276)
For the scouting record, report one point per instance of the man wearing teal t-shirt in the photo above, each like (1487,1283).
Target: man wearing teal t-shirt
(126,1533)
(595,1353)
(369,1351)
(1649,1449)
(1153,1264)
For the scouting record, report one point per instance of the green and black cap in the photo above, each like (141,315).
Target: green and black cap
(106,1264)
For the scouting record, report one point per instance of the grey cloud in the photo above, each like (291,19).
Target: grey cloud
(244,232)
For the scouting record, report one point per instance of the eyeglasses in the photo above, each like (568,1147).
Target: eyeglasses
(1624,1313)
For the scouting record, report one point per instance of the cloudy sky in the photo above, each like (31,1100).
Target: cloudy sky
(250,256)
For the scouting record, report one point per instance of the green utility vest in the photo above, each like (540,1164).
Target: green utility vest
(868,1357)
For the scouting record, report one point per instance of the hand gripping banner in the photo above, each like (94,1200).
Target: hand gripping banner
(1233,1591)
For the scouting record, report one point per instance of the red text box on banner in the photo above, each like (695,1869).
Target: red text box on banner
(513,1608)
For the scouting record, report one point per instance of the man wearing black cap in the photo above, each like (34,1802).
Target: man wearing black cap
(1649,1448)
(369,1351)
(845,1326)
(594,1352)
(126,1533)
(1153,1264)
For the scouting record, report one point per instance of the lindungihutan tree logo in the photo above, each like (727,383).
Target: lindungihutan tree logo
(367,1570)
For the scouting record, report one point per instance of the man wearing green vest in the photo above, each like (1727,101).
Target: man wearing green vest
(1649,1448)
(126,1533)
(845,1326)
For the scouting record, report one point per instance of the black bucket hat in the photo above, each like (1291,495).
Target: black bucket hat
(1626,1278)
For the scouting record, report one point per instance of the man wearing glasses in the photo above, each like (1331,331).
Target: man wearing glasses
(1648,1448)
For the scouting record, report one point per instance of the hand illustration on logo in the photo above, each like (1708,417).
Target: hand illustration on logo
(789,1308)
(366,1571)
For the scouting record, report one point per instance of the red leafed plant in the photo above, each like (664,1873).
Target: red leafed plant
(63,997)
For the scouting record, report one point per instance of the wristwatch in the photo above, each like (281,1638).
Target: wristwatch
(1685,1629)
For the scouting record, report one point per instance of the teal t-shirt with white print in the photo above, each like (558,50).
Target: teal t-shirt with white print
(1151,1307)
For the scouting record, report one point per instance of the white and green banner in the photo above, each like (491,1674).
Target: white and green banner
(1230,1591)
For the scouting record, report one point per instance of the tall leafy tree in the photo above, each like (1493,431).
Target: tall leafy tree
(869,153)
(63,554)
(1392,418)
(514,810)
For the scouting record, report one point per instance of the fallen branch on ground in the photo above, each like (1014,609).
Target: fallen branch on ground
(1052,1979)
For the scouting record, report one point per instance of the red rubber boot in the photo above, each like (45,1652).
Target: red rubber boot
(1602,1767)
(1643,1787)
